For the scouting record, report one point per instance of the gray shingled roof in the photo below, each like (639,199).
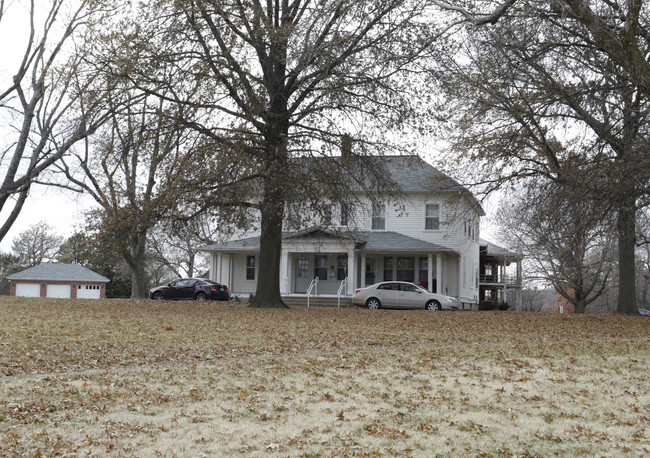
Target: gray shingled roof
(415,174)
(59,272)
(377,241)
(411,172)
(247,244)
(367,241)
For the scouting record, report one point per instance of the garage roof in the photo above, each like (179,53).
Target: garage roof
(58,272)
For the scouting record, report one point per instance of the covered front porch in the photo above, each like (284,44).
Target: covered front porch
(323,263)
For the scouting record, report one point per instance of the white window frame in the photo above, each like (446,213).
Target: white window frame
(430,218)
(344,216)
(378,217)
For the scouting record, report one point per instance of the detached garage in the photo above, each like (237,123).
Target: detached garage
(60,281)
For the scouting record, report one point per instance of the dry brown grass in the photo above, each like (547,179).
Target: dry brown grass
(148,378)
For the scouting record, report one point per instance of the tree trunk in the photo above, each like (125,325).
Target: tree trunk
(579,304)
(137,263)
(626,257)
(139,282)
(268,283)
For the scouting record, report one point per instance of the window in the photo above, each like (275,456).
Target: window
(344,215)
(408,288)
(320,267)
(388,269)
(303,268)
(327,214)
(405,268)
(250,267)
(432,218)
(378,216)
(389,286)
(292,217)
(341,267)
(423,275)
(488,269)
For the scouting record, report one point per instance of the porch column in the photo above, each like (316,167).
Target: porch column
(363,271)
(430,272)
(291,273)
(352,271)
(439,273)
(217,270)
(284,272)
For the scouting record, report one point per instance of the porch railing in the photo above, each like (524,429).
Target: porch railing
(343,287)
(508,280)
(313,285)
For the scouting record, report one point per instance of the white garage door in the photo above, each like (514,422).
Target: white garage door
(88,291)
(62,291)
(28,289)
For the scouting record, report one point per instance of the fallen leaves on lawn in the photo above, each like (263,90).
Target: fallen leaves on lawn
(145,378)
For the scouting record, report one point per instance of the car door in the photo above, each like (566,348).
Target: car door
(187,290)
(388,294)
(410,296)
(177,289)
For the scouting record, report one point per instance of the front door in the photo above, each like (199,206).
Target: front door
(303,279)
(371,269)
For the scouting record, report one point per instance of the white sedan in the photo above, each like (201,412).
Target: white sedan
(401,294)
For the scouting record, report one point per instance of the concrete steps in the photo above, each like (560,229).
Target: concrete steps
(315,301)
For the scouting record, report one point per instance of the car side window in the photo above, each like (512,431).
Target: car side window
(409,288)
(389,286)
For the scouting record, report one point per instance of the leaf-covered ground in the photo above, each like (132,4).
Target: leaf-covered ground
(148,378)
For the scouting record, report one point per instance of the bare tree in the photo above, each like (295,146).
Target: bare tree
(534,300)
(36,244)
(569,243)
(290,79)
(176,244)
(543,99)
(130,171)
(52,101)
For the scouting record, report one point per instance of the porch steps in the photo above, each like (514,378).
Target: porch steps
(315,301)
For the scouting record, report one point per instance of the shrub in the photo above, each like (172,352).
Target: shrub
(494,305)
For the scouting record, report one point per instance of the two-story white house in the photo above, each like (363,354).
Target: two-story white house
(429,236)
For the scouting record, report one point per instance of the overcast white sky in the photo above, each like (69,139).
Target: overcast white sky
(63,210)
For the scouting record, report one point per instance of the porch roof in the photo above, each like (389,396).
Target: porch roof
(366,241)
(386,242)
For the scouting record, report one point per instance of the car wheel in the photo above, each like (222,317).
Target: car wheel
(158,296)
(373,303)
(433,305)
(200,296)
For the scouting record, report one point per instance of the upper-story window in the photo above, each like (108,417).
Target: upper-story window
(432,217)
(379,216)
(327,214)
(292,218)
(345,215)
